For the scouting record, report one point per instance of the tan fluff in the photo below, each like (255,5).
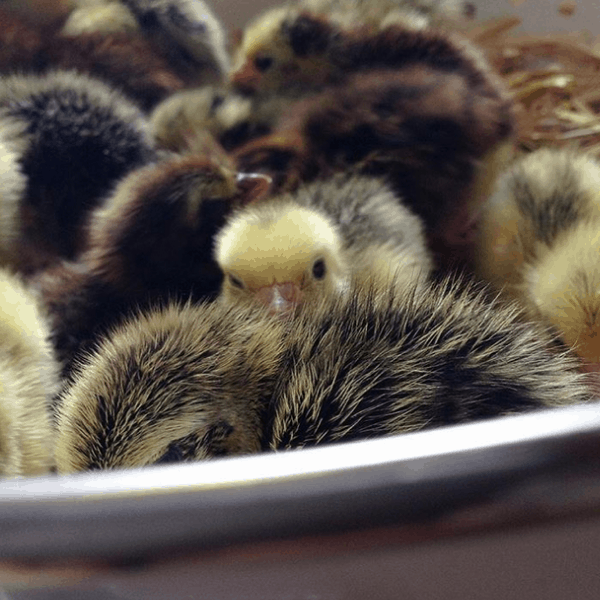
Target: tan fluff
(383,361)
(179,383)
(13,183)
(28,380)
(189,382)
(187,29)
(540,243)
(320,237)
(229,117)
(99,17)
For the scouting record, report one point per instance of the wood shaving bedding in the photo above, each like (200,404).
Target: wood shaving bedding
(554,79)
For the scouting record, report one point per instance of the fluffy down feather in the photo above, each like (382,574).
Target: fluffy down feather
(379,362)
(179,383)
(28,380)
(540,243)
(12,189)
(313,241)
(78,138)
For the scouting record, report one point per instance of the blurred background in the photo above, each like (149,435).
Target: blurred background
(537,15)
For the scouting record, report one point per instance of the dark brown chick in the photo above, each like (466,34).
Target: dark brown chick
(124,59)
(291,49)
(438,134)
(152,241)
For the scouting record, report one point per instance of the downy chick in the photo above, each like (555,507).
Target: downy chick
(150,242)
(439,134)
(185,32)
(188,34)
(79,137)
(540,243)
(312,242)
(188,383)
(175,384)
(299,48)
(28,380)
(380,362)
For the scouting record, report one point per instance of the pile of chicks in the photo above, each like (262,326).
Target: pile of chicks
(315,232)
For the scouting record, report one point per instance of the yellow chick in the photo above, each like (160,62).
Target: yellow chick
(99,16)
(279,254)
(540,243)
(311,243)
(28,381)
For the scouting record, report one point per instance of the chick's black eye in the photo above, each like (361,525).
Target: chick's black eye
(238,283)
(263,63)
(319,269)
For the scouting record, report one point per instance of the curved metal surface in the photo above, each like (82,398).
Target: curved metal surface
(520,469)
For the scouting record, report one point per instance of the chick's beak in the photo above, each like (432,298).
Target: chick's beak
(253,186)
(247,78)
(280,297)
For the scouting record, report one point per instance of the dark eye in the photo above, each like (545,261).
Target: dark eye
(238,283)
(263,63)
(319,269)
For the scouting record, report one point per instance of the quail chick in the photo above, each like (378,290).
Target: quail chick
(311,243)
(185,32)
(540,243)
(439,135)
(150,242)
(194,382)
(380,362)
(188,33)
(297,49)
(125,60)
(174,384)
(28,380)
(79,137)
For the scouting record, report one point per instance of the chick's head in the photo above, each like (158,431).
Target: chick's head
(280,255)
(564,289)
(282,51)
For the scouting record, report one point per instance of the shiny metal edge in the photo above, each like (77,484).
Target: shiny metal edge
(541,465)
